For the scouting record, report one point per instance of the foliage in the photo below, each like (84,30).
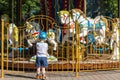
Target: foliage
(104,7)
(111,8)
(4,6)
(31,7)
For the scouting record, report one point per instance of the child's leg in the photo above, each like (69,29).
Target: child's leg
(43,71)
(38,73)
(38,70)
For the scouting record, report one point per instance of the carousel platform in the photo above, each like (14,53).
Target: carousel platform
(67,65)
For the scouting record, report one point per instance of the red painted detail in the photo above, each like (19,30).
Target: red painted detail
(81,38)
(35,33)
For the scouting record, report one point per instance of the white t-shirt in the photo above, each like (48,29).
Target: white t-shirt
(42,48)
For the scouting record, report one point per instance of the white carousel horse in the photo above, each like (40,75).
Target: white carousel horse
(101,28)
(79,16)
(13,34)
(34,32)
(51,38)
(114,43)
(68,28)
(88,24)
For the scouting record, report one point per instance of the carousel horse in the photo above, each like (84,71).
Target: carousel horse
(96,25)
(13,34)
(51,38)
(114,43)
(100,30)
(68,28)
(34,32)
(83,22)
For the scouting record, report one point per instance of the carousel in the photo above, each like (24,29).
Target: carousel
(75,41)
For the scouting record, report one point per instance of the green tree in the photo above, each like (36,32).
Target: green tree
(31,7)
(4,7)
(110,8)
(103,7)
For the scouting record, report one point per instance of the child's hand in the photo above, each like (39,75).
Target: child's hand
(47,55)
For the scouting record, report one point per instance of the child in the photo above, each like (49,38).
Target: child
(41,55)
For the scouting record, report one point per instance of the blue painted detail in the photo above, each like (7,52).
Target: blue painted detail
(100,49)
(90,25)
(20,49)
(91,38)
(99,25)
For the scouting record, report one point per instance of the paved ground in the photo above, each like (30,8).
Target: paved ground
(96,75)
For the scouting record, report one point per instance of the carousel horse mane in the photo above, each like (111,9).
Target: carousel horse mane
(115,21)
(102,18)
(62,12)
(79,11)
(29,27)
(15,33)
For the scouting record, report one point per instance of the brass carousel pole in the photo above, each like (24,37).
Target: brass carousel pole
(13,11)
(19,12)
(2,50)
(119,8)
(85,6)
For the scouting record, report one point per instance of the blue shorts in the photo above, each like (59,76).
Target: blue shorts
(41,62)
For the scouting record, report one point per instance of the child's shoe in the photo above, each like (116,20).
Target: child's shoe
(38,76)
(43,77)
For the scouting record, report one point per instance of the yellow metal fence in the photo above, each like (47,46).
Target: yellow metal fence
(73,56)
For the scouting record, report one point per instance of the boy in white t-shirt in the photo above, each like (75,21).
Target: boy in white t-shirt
(41,55)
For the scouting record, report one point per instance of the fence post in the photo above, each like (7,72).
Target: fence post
(2,50)
(77,46)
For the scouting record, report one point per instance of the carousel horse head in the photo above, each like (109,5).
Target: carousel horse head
(80,17)
(64,16)
(29,27)
(77,14)
(31,30)
(50,34)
